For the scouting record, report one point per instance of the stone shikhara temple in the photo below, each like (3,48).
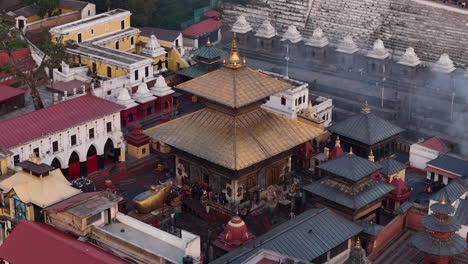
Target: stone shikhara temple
(233,144)
(439,28)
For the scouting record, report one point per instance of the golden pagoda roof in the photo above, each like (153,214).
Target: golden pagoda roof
(234,142)
(234,85)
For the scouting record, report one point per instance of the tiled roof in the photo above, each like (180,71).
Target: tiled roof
(453,191)
(350,166)
(63,205)
(366,128)
(391,166)
(54,118)
(436,144)
(162,34)
(462,212)
(26,11)
(234,87)
(305,237)
(50,246)
(234,142)
(201,28)
(16,54)
(209,52)
(373,191)
(404,207)
(193,71)
(451,164)
(8,92)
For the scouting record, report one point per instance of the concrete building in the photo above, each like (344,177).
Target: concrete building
(79,135)
(118,233)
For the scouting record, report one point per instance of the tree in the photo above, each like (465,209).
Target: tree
(29,74)
(45,7)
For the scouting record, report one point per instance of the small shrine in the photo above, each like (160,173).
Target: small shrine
(310,117)
(337,150)
(439,241)
(163,91)
(409,58)
(347,49)
(316,46)
(304,155)
(138,143)
(291,40)
(376,58)
(152,48)
(207,59)
(444,64)
(128,116)
(145,100)
(365,132)
(242,28)
(265,35)
(234,235)
(357,255)
(346,187)
(397,196)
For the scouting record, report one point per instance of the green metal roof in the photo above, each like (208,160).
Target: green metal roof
(193,71)
(350,166)
(391,166)
(209,52)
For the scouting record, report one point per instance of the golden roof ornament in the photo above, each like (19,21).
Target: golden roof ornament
(358,243)
(234,61)
(337,142)
(351,150)
(365,108)
(208,42)
(443,199)
(371,156)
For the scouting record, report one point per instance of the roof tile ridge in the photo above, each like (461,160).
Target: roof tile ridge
(234,145)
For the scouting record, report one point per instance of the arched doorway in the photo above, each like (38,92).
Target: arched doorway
(110,155)
(56,163)
(73,166)
(91,160)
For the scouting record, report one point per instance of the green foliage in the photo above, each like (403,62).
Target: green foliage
(45,7)
(19,44)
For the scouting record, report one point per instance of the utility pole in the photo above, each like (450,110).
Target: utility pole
(287,60)
(383,87)
(451,106)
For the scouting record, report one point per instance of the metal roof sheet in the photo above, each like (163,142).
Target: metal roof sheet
(453,245)
(356,199)
(391,166)
(209,52)
(462,212)
(234,142)
(453,191)
(366,128)
(350,166)
(193,71)
(305,237)
(450,163)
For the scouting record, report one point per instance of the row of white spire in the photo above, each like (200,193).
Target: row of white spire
(347,45)
(143,94)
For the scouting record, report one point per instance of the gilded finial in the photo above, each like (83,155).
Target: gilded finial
(234,61)
(244,61)
(358,243)
(224,61)
(208,42)
(371,156)
(365,108)
(351,150)
(337,142)
(443,199)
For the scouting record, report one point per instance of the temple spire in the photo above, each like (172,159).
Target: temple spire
(365,108)
(358,243)
(371,156)
(337,142)
(234,61)
(351,150)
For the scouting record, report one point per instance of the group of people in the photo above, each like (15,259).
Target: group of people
(201,190)
(460,3)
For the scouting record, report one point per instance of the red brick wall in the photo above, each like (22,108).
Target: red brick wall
(46,24)
(414,217)
(390,231)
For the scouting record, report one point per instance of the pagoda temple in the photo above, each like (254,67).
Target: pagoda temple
(233,144)
(367,132)
(348,189)
(440,241)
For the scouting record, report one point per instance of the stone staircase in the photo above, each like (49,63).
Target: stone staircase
(431,29)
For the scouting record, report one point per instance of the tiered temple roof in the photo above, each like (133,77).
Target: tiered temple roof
(444,64)
(143,95)
(226,133)
(161,88)
(266,30)
(292,34)
(347,45)
(378,51)
(124,99)
(152,48)
(440,238)
(409,58)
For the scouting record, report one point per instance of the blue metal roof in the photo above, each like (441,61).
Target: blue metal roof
(391,166)
(209,52)
(193,71)
(451,164)
(452,191)
(462,212)
(350,166)
(304,237)
(357,199)
(366,128)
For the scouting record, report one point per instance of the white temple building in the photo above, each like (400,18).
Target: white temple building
(143,95)
(266,30)
(378,51)
(241,26)
(161,88)
(318,39)
(444,64)
(124,99)
(292,34)
(347,45)
(153,48)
